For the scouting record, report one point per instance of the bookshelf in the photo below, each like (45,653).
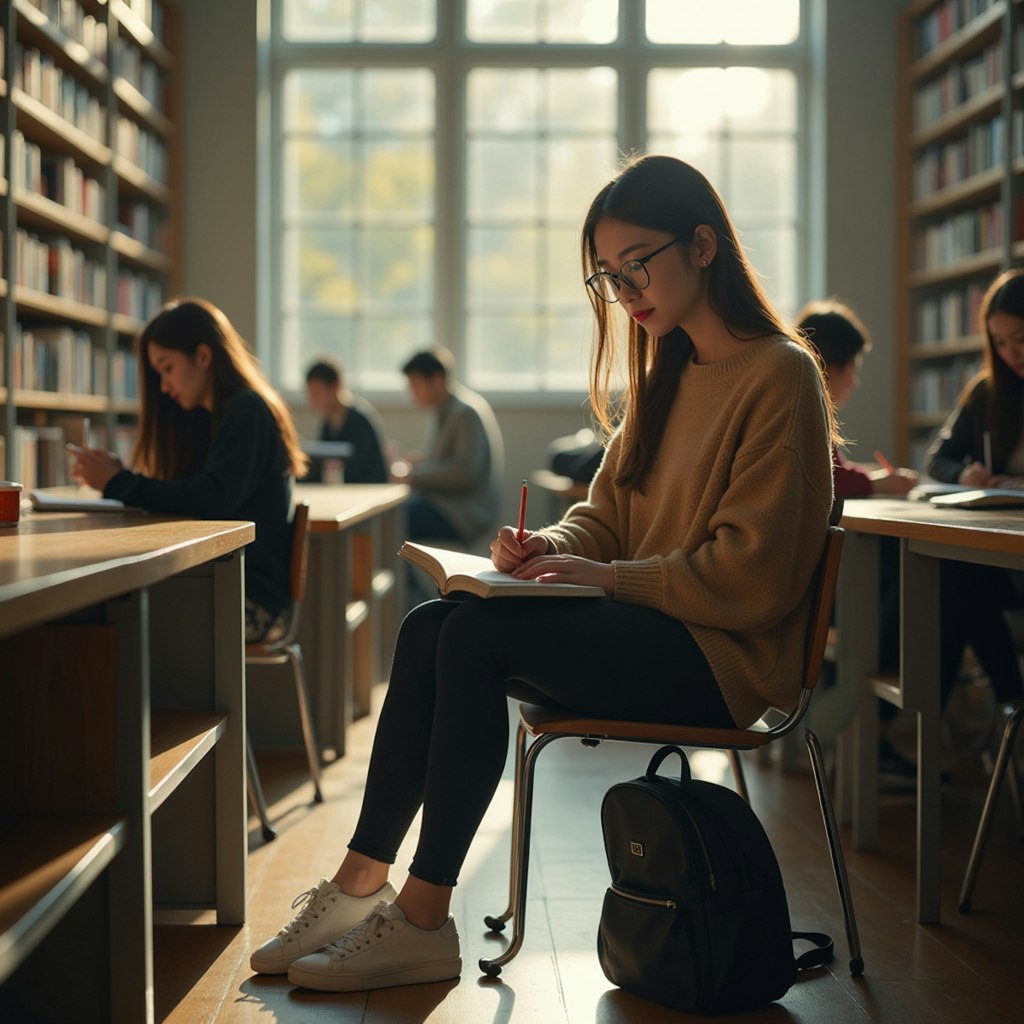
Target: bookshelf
(961,214)
(89,218)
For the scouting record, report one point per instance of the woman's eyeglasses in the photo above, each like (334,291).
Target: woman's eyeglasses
(633,274)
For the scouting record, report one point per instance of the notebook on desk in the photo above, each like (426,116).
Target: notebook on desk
(70,499)
(981,497)
(925,492)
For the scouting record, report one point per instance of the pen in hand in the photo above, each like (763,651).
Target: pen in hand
(884,463)
(521,532)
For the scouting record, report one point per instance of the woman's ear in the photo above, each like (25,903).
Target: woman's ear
(705,245)
(203,357)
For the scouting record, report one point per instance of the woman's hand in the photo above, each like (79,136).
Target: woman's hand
(1015,483)
(975,475)
(568,569)
(899,482)
(95,467)
(508,554)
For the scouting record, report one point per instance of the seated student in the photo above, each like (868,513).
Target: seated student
(216,442)
(719,476)
(982,445)
(346,418)
(841,339)
(454,484)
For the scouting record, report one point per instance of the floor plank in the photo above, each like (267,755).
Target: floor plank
(966,969)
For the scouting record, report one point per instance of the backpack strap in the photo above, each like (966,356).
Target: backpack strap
(822,953)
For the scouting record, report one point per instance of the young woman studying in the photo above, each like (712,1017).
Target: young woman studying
(982,445)
(703,526)
(215,441)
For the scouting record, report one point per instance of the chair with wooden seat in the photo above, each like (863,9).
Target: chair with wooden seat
(281,651)
(546,724)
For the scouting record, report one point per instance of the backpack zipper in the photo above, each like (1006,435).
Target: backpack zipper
(653,901)
(704,849)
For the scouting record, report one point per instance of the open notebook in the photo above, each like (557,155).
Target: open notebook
(75,499)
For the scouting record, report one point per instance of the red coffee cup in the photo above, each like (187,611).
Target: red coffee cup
(10,503)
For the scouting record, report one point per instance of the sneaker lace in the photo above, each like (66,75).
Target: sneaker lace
(363,932)
(313,903)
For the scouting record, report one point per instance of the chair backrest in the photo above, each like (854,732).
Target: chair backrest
(821,606)
(300,551)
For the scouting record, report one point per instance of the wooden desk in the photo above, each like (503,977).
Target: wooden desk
(121,668)
(355,598)
(926,535)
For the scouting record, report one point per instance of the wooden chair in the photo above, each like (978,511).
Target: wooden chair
(285,650)
(546,724)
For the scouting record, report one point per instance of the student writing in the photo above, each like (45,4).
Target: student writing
(215,441)
(720,475)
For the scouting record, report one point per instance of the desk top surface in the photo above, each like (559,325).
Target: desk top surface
(338,506)
(57,562)
(981,529)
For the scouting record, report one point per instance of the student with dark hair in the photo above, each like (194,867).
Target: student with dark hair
(347,419)
(719,475)
(841,339)
(215,441)
(455,482)
(982,445)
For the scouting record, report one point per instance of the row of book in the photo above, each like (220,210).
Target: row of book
(58,90)
(145,224)
(942,21)
(151,13)
(958,236)
(138,296)
(939,166)
(63,361)
(957,84)
(142,148)
(949,316)
(935,388)
(38,456)
(56,177)
(54,266)
(69,17)
(143,74)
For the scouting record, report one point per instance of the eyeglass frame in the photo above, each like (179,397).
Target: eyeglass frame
(617,277)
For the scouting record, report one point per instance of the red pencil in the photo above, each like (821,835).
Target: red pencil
(522,516)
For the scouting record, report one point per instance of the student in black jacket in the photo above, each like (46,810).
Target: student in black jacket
(216,442)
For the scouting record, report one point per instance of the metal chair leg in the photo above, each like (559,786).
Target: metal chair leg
(294,652)
(737,774)
(497,924)
(521,860)
(256,797)
(836,852)
(991,798)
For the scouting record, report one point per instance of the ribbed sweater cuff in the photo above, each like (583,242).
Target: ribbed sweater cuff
(640,582)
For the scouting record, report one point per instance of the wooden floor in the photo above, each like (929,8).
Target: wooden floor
(968,969)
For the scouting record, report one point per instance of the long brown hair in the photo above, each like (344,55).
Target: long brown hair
(172,440)
(665,194)
(1006,390)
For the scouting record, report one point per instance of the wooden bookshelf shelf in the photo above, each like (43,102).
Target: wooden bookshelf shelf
(48,863)
(126,325)
(989,260)
(58,401)
(969,40)
(29,300)
(133,250)
(179,740)
(34,118)
(125,406)
(978,108)
(950,347)
(45,32)
(139,181)
(978,187)
(134,26)
(39,211)
(141,108)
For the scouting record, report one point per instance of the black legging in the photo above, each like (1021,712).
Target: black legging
(442,736)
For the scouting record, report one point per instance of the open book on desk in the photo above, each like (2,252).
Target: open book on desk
(459,572)
(981,497)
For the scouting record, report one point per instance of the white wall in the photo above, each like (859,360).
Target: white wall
(853,205)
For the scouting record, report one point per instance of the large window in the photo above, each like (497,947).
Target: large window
(433,159)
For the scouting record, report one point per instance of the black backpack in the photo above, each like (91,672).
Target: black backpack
(696,915)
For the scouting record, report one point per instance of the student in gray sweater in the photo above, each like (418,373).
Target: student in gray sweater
(455,483)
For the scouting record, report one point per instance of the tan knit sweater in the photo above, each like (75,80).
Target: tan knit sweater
(731,526)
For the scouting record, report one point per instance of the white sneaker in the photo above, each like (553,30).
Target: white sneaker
(326,914)
(383,951)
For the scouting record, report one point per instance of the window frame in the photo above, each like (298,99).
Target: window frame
(449,56)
